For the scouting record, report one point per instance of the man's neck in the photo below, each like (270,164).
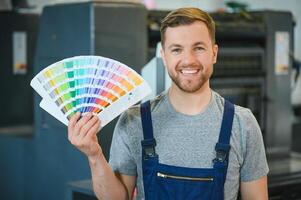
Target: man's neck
(189,103)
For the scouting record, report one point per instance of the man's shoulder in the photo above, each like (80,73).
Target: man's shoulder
(133,113)
(242,115)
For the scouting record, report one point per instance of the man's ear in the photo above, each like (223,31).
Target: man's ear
(215,51)
(163,56)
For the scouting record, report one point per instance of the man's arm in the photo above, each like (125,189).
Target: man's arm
(254,169)
(107,184)
(82,133)
(255,190)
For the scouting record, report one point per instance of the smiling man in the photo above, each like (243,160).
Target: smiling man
(187,143)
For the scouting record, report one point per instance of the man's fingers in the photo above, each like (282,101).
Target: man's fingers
(82,122)
(72,122)
(74,119)
(94,129)
(88,126)
(82,133)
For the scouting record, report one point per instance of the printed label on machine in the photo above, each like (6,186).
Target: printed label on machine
(281,52)
(19,52)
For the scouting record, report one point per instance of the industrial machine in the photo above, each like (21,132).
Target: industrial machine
(18,39)
(109,29)
(113,30)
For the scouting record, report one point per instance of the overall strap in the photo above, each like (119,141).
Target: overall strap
(227,123)
(148,143)
(222,149)
(223,146)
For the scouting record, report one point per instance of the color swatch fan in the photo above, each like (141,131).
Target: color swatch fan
(94,84)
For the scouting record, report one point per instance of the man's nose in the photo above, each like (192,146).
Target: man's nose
(189,58)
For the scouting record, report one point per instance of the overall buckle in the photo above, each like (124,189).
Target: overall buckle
(222,151)
(220,156)
(148,148)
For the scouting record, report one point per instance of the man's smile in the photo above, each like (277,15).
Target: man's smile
(189,71)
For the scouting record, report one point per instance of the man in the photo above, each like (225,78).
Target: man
(192,144)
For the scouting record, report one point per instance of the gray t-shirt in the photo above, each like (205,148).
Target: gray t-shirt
(189,141)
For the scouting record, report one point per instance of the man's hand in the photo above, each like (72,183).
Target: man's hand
(82,133)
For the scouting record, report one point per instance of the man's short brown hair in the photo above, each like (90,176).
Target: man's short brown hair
(186,16)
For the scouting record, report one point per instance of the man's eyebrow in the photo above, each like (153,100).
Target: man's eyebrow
(199,43)
(195,44)
(173,46)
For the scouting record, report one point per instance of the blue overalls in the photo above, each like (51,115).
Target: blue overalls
(164,182)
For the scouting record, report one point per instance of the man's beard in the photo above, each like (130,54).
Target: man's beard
(191,86)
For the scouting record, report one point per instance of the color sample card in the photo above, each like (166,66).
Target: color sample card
(85,84)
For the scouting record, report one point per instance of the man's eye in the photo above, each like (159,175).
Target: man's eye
(199,48)
(176,50)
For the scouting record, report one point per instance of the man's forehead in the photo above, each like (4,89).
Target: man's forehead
(196,32)
(182,26)
(196,28)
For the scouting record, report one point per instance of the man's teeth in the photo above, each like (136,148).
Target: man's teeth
(189,71)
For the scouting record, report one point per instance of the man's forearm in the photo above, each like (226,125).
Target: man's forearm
(105,184)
